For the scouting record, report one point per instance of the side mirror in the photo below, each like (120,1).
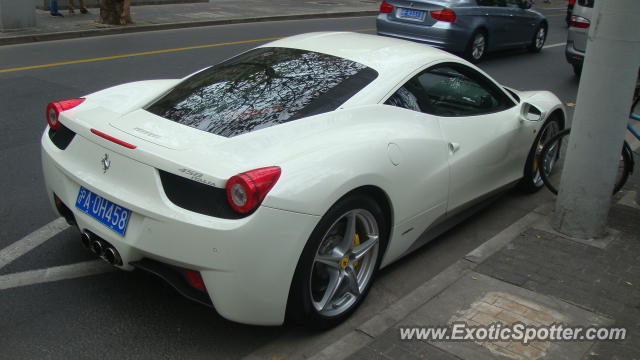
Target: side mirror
(529,112)
(525,4)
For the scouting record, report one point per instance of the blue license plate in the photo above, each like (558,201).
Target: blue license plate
(411,14)
(113,216)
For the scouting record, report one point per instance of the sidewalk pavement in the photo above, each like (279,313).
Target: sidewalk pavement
(216,12)
(527,273)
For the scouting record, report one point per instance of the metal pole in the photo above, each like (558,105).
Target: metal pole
(608,79)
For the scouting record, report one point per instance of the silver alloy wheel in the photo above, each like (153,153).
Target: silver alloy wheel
(478,46)
(344,262)
(548,131)
(540,37)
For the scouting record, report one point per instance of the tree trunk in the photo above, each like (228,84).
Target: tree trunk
(115,12)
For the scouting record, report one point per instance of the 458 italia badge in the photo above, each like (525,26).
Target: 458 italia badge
(106,163)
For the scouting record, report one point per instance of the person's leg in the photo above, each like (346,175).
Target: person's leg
(83,9)
(53,4)
(71,7)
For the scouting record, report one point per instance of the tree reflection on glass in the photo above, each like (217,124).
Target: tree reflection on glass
(262,88)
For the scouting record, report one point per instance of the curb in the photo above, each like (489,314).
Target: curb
(375,326)
(168,26)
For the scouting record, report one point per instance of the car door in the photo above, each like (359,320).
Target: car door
(428,166)
(482,126)
(524,23)
(497,21)
(425,176)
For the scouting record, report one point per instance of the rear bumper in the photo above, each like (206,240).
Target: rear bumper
(246,264)
(573,56)
(442,35)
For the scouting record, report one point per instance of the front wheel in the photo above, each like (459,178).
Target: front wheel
(538,39)
(532,179)
(338,264)
(552,159)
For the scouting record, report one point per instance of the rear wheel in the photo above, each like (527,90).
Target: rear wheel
(338,264)
(577,69)
(477,47)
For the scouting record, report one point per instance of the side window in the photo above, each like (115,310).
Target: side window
(486,2)
(456,90)
(451,90)
(405,99)
(410,96)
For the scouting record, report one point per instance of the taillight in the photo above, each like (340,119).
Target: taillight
(247,190)
(385,8)
(447,15)
(55,108)
(579,22)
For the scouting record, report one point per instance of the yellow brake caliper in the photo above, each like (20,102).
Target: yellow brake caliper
(356,242)
(535,158)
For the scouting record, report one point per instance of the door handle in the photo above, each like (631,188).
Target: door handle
(453,147)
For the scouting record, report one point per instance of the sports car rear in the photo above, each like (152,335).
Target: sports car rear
(125,196)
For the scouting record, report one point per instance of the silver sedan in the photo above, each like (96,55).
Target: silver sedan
(468,27)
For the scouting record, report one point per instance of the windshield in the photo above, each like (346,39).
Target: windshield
(262,88)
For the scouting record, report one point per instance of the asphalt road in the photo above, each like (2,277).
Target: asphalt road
(133,315)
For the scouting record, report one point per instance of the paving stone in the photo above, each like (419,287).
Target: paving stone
(538,278)
(399,353)
(414,346)
(383,343)
(433,353)
(367,353)
(469,298)
(605,280)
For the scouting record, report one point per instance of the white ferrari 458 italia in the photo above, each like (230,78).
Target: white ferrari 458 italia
(275,184)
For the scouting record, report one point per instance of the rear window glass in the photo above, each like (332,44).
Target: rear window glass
(587,3)
(262,88)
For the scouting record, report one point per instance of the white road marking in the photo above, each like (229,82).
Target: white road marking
(56,273)
(554,45)
(31,241)
(64,272)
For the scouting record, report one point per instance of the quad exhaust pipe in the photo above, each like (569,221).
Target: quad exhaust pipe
(101,248)
(86,240)
(112,256)
(97,248)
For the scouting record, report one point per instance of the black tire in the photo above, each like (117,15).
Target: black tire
(577,69)
(531,181)
(559,139)
(300,308)
(473,53)
(536,46)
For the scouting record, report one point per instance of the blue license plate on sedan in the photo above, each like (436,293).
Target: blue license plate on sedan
(113,216)
(412,14)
